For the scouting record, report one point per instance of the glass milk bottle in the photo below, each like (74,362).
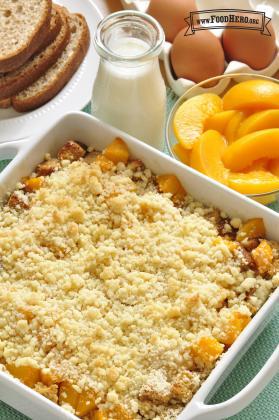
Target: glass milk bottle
(129,91)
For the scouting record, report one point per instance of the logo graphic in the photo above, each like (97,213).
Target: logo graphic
(202,20)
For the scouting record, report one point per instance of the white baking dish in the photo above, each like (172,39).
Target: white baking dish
(95,133)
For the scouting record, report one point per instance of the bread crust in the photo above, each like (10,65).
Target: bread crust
(54,28)
(5,103)
(28,73)
(33,102)
(14,60)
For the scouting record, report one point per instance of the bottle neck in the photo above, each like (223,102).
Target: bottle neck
(129,39)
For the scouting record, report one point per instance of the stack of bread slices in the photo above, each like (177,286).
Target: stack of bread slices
(42,45)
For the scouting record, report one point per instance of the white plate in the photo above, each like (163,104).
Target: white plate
(93,132)
(74,96)
(179,86)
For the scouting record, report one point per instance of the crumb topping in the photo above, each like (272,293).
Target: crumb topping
(108,283)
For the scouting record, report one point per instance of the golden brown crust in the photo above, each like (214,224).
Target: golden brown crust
(54,28)
(28,73)
(13,61)
(5,103)
(73,63)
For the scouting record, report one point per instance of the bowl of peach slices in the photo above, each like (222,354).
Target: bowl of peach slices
(233,138)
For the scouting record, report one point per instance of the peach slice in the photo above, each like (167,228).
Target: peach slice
(274,167)
(254,182)
(206,156)
(183,154)
(259,165)
(190,117)
(259,121)
(219,121)
(244,151)
(252,95)
(233,126)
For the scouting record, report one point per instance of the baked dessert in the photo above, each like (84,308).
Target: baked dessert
(15,81)
(56,77)
(120,292)
(23,29)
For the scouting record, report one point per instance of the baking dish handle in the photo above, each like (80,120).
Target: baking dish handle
(198,410)
(9,149)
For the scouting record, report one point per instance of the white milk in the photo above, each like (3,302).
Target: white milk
(131,95)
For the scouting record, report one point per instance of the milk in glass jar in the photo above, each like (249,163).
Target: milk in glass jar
(129,91)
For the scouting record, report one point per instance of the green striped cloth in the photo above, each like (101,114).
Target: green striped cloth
(266,405)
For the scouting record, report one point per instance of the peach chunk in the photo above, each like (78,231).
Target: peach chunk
(170,184)
(29,375)
(206,156)
(263,257)
(252,95)
(254,182)
(244,151)
(33,184)
(86,403)
(68,395)
(104,163)
(232,126)
(207,350)
(183,154)
(253,228)
(98,415)
(235,325)
(219,121)
(119,413)
(117,151)
(259,121)
(48,377)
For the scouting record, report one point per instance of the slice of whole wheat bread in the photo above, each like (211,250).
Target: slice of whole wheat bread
(54,27)
(48,85)
(23,28)
(13,82)
(5,103)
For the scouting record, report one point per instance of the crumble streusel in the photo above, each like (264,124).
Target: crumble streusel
(113,289)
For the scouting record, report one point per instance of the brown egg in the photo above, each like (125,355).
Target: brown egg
(171,14)
(197,57)
(249,46)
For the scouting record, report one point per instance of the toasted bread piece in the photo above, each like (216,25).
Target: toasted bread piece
(5,103)
(23,28)
(48,85)
(13,82)
(54,27)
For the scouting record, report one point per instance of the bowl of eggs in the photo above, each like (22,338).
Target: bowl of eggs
(232,138)
(189,60)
